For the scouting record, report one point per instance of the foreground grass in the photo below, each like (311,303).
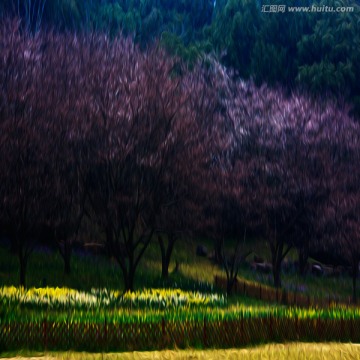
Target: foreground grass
(323,351)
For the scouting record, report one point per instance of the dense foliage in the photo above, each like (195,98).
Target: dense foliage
(317,50)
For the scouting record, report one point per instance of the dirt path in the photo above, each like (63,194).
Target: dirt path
(323,351)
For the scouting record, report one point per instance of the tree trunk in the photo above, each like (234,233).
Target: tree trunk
(355,272)
(126,255)
(65,249)
(19,240)
(67,264)
(303,256)
(129,279)
(166,253)
(218,251)
(276,260)
(130,273)
(277,275)
(230,281)
(23,266)
(14,246)
(165,268)
(276,266)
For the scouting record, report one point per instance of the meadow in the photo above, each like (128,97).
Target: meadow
(195,273)
(185,310)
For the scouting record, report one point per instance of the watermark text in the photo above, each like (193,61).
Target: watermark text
(306,9)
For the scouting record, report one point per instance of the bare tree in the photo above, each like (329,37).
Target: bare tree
(140,120)
(25,163)
(186,176)
(278,144)
(65,105)
(340,215)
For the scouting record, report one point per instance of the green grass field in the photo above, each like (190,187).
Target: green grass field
(195,273)
(98,271)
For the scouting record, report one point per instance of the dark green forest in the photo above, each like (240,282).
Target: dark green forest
(315,51)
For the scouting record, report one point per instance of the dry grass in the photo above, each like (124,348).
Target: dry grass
(328,351)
